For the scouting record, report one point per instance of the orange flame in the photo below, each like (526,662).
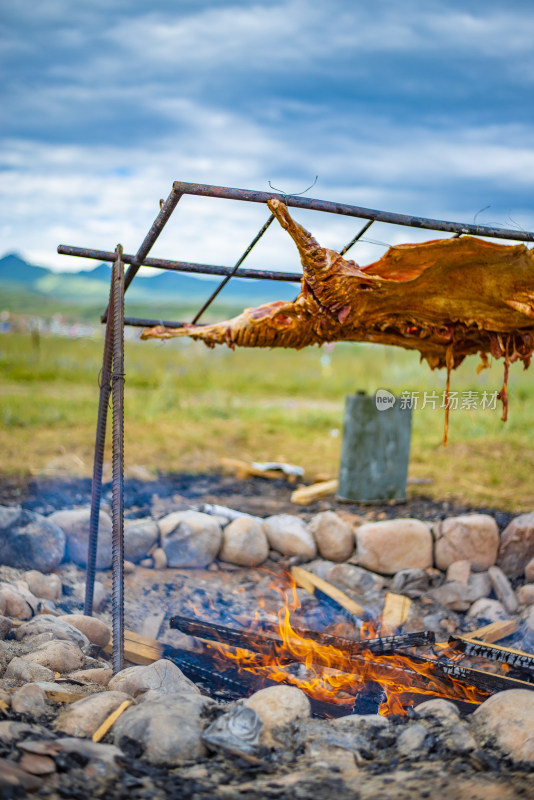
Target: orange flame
(333,675)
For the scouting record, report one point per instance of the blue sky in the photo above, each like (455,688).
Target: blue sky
(417,107)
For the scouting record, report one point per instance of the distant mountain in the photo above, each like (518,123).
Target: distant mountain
(169,287)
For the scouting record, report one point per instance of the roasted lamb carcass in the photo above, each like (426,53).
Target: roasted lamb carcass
(446,298)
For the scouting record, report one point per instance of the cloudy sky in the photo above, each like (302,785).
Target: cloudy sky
(417,107)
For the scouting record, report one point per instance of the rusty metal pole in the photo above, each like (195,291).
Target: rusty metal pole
(100,441)
(117,393)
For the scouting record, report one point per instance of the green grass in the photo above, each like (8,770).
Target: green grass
(187,406)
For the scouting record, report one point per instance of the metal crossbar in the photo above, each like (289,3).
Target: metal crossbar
(112,375)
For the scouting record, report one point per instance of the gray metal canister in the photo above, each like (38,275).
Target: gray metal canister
(376,448)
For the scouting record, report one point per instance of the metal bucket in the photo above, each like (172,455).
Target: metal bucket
(376,448)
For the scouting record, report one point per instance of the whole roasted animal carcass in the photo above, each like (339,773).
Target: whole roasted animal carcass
(446,298)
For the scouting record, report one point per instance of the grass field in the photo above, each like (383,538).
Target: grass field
(187,406)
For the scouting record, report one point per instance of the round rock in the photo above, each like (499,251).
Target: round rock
(334,538)
(168,732)
(29,540)
(488,610)
(244,543)
(21,669)
(44,586)
(517,546)
(191,539)
(75,524)
(57,655)
(58,628)
(469,537)
(162,675)
(29,699)
(94,629)
(139,536)
(390,546)
(84,717)
(16,605)
(277,706)
(507,719)
(290,536)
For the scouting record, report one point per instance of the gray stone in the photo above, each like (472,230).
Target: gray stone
(290,536)
(440,709)
(244,543)
(487,610)
(43,586)
(139,536)
(334,538)
(59,628)
(507,719)
(453,594)
(162,675)
(480,584)
(411,741)
(84,717)
(29,699)
(29,540)
(237,730)
(104,759)
(168,732)
(278,706)
(415,582)
(5,626)
(191,539)
(96,631)
(468,537)
(100,596)
(75,524)
(57,655)
(20,669)
(390,546)
(517,545)
(12,731)
(503,589)
(361,581)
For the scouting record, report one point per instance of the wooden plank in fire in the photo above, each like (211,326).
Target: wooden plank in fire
(271,643)
(486,681)
(494,652)
(318,586)
(495,631)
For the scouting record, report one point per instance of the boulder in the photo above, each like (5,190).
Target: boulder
(29,540)
(487,610)
(333,536)
(57,655)
(191,539)
(415,582)
(507,720)
(75,524)
(459,571)
(98,675)
(139,536)
(277,706)
(162,675)
(453,594)
(394,545)
(411,742)
(44,586)
(94,629)
(58,628)
(503,589)
(244,543)
(16,604)
(440,709)
(356,579)
(290,536)
(21,669)
(84,717)
(517,545)
(469,537)
(29,699)
(529,571)
(169,733)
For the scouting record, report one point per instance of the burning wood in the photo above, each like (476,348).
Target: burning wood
(446,298)
(493,652)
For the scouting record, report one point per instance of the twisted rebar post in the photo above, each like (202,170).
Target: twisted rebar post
(117,392)
(100,441)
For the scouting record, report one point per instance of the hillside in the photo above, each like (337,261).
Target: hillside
(20,280)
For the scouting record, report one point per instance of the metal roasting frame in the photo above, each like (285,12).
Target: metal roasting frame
(112,374)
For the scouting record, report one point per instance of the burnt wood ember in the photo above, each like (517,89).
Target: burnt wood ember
(494,652)
(270,643)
